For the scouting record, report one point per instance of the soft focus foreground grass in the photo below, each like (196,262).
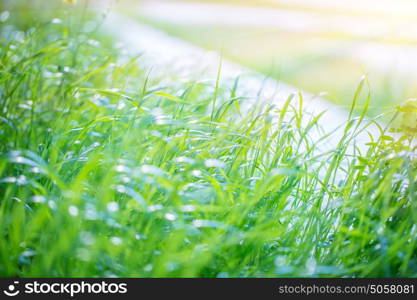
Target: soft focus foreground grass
(107,172)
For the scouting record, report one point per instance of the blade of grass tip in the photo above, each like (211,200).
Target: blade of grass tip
(367,101)
(217,86)
(300,108)
(284,109)
(233,95)
(145,83)
(356,96)
(350,122)
(170,97)
(234,87)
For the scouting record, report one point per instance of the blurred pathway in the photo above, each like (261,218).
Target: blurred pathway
(364,29)
(190,13)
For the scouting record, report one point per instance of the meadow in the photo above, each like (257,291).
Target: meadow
(107,170)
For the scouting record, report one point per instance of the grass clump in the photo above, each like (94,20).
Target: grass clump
(107,170)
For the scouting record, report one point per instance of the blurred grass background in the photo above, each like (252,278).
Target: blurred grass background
(375,38)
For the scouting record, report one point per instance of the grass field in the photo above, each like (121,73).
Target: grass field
(107,172)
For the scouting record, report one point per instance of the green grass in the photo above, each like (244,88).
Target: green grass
(108,170)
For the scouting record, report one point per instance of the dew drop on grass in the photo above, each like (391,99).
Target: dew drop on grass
(52,204)
(207,223)
(56,21)
(188,208)
(4,16)
(196,173)
(112,206)
(9,180)
(116,241)
(172,266)
(126,179)
(95,43)
(91,212)
(214,163)
(87,238)
(184,159)
(38,199)
(121,188)
(121,105)
(280,261)
(121,169)
(156,133)
(21,180)
(170,217)
(35,170)
(18,159)
(28,253)
(139,236)
(73,210)
(155,207)
(149,169)
(132,193)
(199,248)
(157,111)
(112,223)
(148,268)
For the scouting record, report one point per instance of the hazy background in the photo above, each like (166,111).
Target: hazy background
(317,45)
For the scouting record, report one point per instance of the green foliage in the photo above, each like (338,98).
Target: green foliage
(105,171)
